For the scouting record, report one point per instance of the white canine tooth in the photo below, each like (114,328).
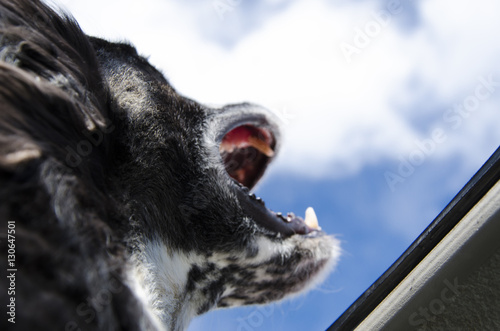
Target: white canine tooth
(311,220)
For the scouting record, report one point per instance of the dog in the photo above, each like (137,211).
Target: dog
(124,205)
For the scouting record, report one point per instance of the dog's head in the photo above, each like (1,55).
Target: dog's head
(186,172)
(122,158)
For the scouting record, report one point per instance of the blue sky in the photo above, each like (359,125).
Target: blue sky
(388,108)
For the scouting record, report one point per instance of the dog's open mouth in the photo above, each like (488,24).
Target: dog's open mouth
(246,151)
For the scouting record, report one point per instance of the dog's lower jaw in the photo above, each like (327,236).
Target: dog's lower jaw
(175,286)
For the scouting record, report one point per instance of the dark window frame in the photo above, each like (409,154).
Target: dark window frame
(462,203)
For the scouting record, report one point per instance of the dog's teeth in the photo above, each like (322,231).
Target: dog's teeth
(280,215)
(261,146)
(311,220)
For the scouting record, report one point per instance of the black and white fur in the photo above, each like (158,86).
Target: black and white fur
(125,214)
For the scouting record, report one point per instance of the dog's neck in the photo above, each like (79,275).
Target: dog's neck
(160,279)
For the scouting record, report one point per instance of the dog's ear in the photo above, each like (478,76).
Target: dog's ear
(53,99)
(38,118)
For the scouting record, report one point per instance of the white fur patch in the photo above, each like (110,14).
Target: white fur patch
(162,276)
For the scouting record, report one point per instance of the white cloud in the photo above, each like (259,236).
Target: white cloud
(347,115)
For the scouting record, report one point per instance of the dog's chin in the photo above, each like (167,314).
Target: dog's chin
(282,269)
(324,253)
